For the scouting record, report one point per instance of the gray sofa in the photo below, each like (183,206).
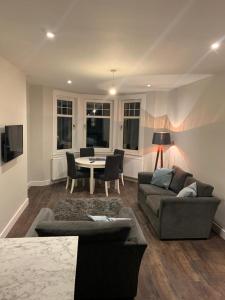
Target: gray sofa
(173,217)
(108,259)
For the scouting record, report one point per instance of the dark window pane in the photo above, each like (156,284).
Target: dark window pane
(59,111)
(64,107)
(64,133)
(106,106)
(70,111)
(132,105)
(64,111)
(98,106)
(132,112)
(106,112)
(126,112)
(126,105)
(98,112)
(137,105)
(90,112)
(90,105)
(130,134)
(137,112)
(97,132)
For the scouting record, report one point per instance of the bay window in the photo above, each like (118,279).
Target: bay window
(98,123)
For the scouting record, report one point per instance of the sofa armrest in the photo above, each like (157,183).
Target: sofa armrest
(187,217)
(145,177)
(45,214)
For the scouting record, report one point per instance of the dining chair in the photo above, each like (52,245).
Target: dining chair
(121,154)
(72,172)
(110,173)
(87,152)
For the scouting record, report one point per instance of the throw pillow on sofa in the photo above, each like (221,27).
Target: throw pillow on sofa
(178,179)
(162,177)
(188,191)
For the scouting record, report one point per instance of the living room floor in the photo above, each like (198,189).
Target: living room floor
(189,269)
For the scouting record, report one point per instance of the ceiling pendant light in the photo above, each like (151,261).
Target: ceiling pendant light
(112,90)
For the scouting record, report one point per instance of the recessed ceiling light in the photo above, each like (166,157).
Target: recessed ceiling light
(215,46)
(69,81)
(149,85)
(50,35)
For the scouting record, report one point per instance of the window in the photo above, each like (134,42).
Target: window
(131,123)
(64,124)
(98,124)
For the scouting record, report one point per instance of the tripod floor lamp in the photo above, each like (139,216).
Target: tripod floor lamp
(160,139)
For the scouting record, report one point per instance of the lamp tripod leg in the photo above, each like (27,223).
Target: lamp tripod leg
(157,158)
(161,150)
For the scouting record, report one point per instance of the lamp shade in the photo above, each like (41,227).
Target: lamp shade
(161,138)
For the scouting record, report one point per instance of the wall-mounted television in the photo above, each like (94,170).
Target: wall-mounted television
(12,142)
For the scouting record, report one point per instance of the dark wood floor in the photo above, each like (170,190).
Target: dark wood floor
(170,269)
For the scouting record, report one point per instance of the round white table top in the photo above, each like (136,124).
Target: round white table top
(86,163)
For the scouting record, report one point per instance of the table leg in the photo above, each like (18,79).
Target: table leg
(91,181)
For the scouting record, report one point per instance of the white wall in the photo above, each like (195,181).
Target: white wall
(199,127)
(40,128)
(156,117)
(13,175)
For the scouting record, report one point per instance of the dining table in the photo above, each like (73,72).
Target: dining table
(91,163)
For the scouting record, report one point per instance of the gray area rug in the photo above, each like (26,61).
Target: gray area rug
(78,209)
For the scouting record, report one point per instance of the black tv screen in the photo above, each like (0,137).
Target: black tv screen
(12,142)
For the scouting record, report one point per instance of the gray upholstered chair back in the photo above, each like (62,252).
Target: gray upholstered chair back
(112,164)
(87,152)
(121,154)
(71,167)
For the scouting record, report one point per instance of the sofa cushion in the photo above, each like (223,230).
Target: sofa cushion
(188,191)
(149,189)
(178,179)
(162,177)
(203,189)
(88,231)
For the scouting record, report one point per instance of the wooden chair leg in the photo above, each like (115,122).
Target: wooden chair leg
(67,182)
(72,186)
(121,175)
(118,186)
(106,189)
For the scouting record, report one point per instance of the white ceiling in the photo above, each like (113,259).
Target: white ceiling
(162,42)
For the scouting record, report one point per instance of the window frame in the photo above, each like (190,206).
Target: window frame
(110,117)
(130,151)
(55,117)
(142,100)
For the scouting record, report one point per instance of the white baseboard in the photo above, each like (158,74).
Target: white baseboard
(39,183)
(219,230)
(14,218)
(132,179)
